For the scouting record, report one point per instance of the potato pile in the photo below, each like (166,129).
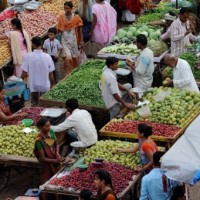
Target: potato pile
(5,51)
(56,7)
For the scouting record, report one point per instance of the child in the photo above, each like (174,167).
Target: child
(9,72)
(53,47)
(85,195)
(103,182)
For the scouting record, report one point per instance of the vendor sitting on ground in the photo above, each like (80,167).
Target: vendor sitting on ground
(146,147)
(111,93)
(47,150)
(5,114)
(183,77)
(78,124)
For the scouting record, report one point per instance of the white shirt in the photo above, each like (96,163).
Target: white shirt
(178,39)
(38,65)
(82,123)
(52,46)
(183,77)
(109,86)
(14,79)
(143,73)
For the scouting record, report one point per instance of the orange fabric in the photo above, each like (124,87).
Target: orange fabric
(146,146)
(110,197)
(65,25)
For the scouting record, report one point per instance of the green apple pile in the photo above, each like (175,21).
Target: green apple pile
(104,149)
(14,141)
(177,108)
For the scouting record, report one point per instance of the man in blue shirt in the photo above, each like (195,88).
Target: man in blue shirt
(152,184)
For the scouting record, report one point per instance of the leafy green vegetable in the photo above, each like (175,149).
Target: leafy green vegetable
(83,84)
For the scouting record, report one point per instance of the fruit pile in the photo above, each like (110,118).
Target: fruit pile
(56,7)
(14,142)
(104,149)
(5,51)
(32,112)
(121,176)
(177,108)
(130,127)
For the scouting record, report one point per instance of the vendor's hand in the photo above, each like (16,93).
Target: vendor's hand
(60,160)
(168,82)
(132,95)
(23,114)
(118,150)
(129,105)
(130,64)
(58,156)
(188,31)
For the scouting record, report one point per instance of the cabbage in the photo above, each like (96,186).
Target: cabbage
(132,29)
(129,34)
(121,33)
(154,35)
(124,39)
(145,33)
(144,28)
(115,38)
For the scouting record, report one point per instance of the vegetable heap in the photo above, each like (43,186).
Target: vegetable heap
(83,84)
(177,108)
(76,180)
(131,127)
(104,149)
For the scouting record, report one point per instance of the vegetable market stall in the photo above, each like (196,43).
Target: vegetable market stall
(122,177)
(169,115)
(82,83)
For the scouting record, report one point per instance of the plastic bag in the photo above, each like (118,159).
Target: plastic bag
(82,57)
(92,48)
(144,112)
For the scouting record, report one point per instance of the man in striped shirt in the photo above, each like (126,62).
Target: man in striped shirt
(181,33)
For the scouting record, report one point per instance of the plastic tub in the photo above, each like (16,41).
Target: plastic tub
(27,122)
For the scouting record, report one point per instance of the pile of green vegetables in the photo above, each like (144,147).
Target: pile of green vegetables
(192,60)
(82,84)
(156,14)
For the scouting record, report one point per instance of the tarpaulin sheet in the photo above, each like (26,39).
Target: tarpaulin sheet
(183,159)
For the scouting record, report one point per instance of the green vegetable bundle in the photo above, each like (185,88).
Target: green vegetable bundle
(82,84)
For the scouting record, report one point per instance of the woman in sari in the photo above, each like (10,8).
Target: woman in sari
(20,44)
(5,114)
(47,151)
(70,26)
(146,147)
(104,22)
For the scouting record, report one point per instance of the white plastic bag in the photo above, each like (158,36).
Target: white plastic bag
(82,57)
(144,112)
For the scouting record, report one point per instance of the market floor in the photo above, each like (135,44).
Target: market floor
(22,180)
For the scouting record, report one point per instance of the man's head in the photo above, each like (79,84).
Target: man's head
(184,14)
(141,41)
(71,104)
(170,61)
(112,63)
(36,42)
(156,158)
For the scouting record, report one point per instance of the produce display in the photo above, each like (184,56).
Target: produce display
(76,180)
(192,60)
(175,106)
(56,7)
(32,112)
(83,83)
(122,49)
(128,34)
(5,51)
(130,127)
(15,142)
(34,22)
(104,149)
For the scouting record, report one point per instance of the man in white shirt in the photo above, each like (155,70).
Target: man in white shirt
(143,68)
(181,33)
(80,121)
(182,74)
(110,88)
(39,67)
